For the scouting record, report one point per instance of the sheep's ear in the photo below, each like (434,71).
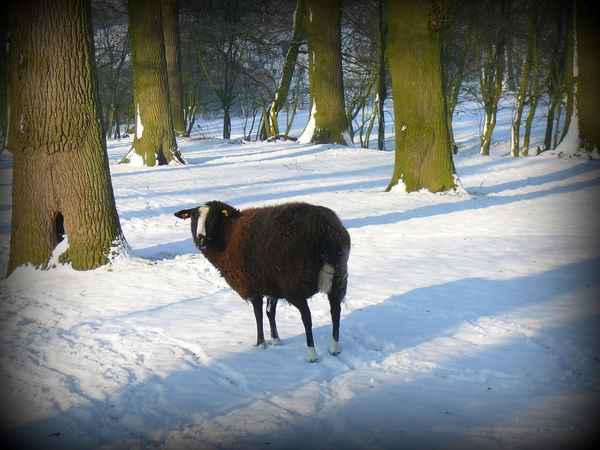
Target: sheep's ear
(183,214)
(225,213)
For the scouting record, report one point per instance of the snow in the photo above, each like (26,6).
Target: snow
(139,128)
(471,319)
(135,159)
(309,130)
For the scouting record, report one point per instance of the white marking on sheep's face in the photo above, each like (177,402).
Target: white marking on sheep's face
(200,230)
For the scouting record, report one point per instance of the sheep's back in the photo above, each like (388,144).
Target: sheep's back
(284,247)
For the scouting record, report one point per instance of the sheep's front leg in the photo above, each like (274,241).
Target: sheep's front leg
(257,303)
(271,308)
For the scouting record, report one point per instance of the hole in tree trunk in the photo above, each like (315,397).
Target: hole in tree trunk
(60,226)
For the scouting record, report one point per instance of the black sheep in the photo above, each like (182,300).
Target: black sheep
(290,251)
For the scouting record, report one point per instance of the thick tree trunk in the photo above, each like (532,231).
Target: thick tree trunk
(170,18)
(588,84)
(154,141)
(423,149)
(583,88)
(327,123)
(61,186)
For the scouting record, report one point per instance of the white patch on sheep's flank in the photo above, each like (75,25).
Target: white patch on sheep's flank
(201,225)
(325,278)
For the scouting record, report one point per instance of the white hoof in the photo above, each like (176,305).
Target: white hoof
(335,348)
(275,341)
(311,355)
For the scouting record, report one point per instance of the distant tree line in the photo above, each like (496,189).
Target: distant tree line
(235,55)
(78,71)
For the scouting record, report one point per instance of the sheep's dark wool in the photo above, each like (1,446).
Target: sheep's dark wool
(290,251)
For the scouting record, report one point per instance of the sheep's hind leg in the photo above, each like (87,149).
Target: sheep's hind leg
(271,308)
(302,305)
(336,295)
(336,309)
(257,303)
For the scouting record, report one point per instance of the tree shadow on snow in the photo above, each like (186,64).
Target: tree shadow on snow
(483,201)
(258,396)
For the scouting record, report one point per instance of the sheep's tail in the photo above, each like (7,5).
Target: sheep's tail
(333,249)
(334,271)
(326,278)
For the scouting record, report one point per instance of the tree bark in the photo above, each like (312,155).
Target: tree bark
(556,77)
(535,90)
(328,123)
(529,66)
(270,125)
(588,85)
(61,180)
(154,141)
(381,79)
(4,81)
(492,74)
(423,148)
(569,69)
(170,19)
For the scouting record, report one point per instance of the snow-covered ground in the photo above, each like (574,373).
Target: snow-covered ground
(471,320)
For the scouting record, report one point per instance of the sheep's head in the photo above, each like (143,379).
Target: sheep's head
(207,222)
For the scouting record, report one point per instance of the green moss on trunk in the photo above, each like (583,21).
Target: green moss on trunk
(423,148)
(61,180)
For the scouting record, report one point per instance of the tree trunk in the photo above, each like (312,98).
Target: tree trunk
(226,122)
(170,19)
(61,186)
(381,79)
(117,134)
(536,87)
(110,121)
(556,78)
(490,110)
(154,141)
(529,81)
(550,122)
(270,126)
(521,97)
(457,45)
(492,75)
(423,149)
(569,68)
(327,123)
(588,86)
